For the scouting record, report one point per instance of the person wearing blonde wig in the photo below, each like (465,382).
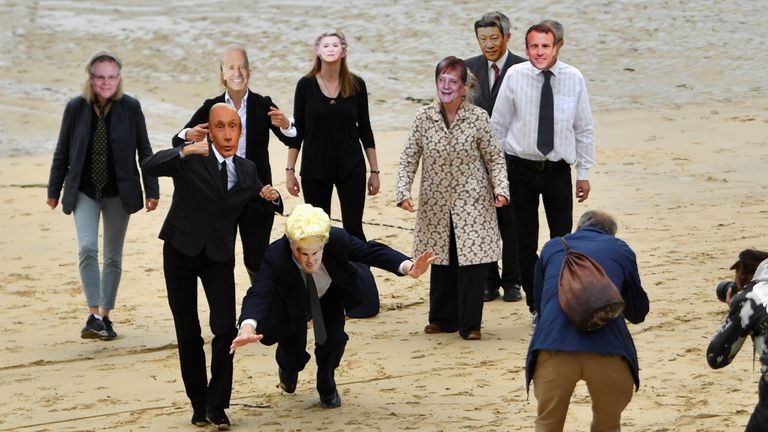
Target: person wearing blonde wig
(309,274)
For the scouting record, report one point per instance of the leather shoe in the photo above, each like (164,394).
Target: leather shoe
(490,294)
(218,417)
(199,418)
(432,329)
(473,335)
(332,401)
(287,380)
(512,294)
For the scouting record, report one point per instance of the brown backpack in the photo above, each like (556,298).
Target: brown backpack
(587,295)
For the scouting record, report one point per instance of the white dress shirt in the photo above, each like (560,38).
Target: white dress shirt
(500,64)
(231,172)
(515,119)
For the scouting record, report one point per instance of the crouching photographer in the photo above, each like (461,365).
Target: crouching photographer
(747,297)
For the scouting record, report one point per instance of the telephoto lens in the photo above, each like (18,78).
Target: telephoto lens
(722,289)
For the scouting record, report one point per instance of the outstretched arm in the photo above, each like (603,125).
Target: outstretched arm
(247,335)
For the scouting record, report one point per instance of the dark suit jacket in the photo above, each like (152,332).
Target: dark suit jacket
(201,214)
(478,65)
(127,137)
(257,126)
(281,281)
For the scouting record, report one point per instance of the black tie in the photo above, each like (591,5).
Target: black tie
(224,177)
(545,141)
(99,155)
(318,324)
(496,75)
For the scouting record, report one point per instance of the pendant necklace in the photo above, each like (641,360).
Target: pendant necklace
(324,88)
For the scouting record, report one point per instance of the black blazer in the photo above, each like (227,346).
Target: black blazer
(202,215)
(127,137)
(257,126)
(280,279)
(485,98)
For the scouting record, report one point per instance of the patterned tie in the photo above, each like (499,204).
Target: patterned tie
(224,176)
(545,141)
(99,156)
(496,75)
(318,323)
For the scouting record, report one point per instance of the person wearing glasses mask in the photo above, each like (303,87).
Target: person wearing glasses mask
(102,133)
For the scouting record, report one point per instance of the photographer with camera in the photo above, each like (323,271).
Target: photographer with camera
(747,296)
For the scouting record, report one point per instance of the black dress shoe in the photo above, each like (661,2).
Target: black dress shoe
(287,380)
(490,294)
(199,418)
(332,401)
(512,294)
(218,417)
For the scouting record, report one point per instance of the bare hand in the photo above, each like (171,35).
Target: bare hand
(151,204)
(278,118)
(198,148)
(52,203)
(197,133)
(421,264)
(247,335)
(407,204)
(582,190)
(501,201)
(269,193)
(291,183)
(373,184)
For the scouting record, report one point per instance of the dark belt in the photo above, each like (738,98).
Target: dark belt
(536,165)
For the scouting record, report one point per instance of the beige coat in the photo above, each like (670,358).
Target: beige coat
(462,172)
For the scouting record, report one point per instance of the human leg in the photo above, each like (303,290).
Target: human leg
(554,379)
(318,193)
(351,191)
(255,227)
(525,206)
(86,214)
(115,220)
(469,287)
(557,196)
(758,421)
(610,386)
(328,355)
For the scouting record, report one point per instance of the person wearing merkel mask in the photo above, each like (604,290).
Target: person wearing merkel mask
(102,134)
(258,115)
(212,185)
(463,181)
(309,274)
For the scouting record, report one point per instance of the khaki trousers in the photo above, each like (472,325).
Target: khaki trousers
(608,380)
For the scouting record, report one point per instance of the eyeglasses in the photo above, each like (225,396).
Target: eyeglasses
(103,78)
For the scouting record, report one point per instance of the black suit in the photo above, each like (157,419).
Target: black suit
(199,234)
(256,220)
(127,137)
(485,98)
(279,300)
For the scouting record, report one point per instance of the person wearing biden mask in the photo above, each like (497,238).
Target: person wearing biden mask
(309,274)
(464,180)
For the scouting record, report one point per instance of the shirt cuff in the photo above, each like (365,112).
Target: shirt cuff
(582,173)
(290,132)
(401,269)
(183,134)
(249,321)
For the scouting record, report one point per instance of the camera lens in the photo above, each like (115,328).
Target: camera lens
(722,289)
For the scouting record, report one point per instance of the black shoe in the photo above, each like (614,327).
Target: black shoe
(332,401)
(218,417)
(199,418)
(490,294)
(287,380)
(109,330)
(94,328)
(512,294)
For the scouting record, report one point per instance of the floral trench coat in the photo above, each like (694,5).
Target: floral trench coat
(462,172)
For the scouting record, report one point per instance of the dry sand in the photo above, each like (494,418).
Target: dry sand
(684,181)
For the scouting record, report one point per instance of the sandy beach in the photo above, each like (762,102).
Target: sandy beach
(681,146)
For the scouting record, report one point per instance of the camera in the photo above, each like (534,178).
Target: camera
(722,289)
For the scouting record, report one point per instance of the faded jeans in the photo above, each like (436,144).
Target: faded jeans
(100,286)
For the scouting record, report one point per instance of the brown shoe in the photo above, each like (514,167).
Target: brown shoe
(432,329)
(473,335)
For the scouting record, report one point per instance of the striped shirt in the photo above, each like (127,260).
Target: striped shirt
(515,119)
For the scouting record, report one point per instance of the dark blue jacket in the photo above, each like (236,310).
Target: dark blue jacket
(554,332)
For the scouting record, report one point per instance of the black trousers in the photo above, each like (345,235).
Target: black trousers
(456,293)
(255,225)
(758,421)
(529,180)
(510,267)
(181,273)
(351,191)
(291,353)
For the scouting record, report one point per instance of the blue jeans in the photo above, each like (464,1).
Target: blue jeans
(100,286)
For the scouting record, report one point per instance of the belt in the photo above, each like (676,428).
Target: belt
(536,165)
